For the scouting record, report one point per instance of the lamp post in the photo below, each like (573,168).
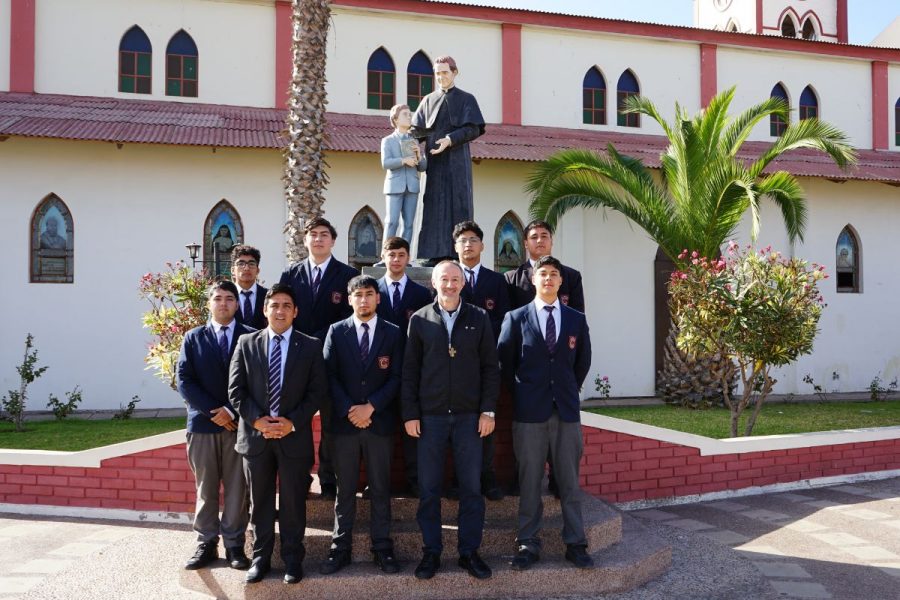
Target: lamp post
(194,252)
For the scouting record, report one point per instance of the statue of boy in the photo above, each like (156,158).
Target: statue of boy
(448,118)
(403,160)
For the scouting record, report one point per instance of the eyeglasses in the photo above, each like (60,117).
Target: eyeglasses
(469,240)
(246,264)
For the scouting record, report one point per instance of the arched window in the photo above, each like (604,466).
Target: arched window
(788,27)
(809,30)
(364,240)
(809,104)
(897,122)
(593,94)
(778,125)
(135,62)
(181,66)
(627,86)
(419,79)
(222,230)
(509,246)
(52,242)
(380,82)
(847,261)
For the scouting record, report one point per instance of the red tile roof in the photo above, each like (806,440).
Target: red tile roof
(126,120)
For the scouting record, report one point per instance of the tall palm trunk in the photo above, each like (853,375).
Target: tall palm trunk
(305,177)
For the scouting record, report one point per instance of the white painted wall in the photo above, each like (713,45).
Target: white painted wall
(78,44)
(475,46)
(708,16)
(554,64)
(4,44)
(843,86)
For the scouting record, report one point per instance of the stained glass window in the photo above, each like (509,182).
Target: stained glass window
(135,62)
(181,66)
(380,81)
(593,98)
(777,124)
(847,261)
(419,79)
(627,86)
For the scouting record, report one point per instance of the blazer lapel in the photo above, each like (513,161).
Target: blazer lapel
(532,319)
(352,343)
(327,276)
(376,342)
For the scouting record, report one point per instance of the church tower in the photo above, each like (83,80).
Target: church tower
(824,20)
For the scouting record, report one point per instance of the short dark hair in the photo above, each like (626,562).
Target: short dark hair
(537,223)
(320,222)
(224,285)
(467,226)
(280,288)
(395,243)
(548,261)
(241,250)
(362,282)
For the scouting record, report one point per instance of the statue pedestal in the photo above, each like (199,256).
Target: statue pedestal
(421,275)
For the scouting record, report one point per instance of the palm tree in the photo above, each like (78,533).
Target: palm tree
(703,192)
(305,177)
(705,189)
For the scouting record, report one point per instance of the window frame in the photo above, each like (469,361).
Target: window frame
(809,111)
(629,119)
(854,270)
(129,54)
(591,107)
(385,100)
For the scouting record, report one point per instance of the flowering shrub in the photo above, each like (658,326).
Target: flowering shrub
(603,386)
(178,304)
(759,308)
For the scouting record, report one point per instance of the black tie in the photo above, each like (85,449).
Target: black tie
(223,342)
(364,343)
(395,299)
(550,334)
(471,273)
(317,279)
(248,308)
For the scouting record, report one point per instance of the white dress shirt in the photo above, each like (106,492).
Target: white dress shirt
(390,287)
(359,329)
(542,316)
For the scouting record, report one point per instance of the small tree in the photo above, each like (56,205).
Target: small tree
(758,308)
(14,402)
(178,301)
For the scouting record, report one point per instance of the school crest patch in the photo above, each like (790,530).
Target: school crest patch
(335,297)
(489,303)
(572,342)
(384,362)
(564,298)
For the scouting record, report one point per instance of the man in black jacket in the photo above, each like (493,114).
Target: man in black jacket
(538,243)
(449,395)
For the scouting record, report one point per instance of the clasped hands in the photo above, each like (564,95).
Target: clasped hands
(273,428)
(222,418)
(485,426)
(361,415)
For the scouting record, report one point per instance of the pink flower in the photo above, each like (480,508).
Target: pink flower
(683,275)
(694,254)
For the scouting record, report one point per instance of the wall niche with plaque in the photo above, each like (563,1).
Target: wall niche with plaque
(52,242)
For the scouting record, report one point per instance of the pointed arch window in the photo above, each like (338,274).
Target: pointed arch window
(135,62)
(788,27)
(222,230)
(627,86)
(364,239)
(381,77)
(182,66)
(809,104)
(809,30)
(897,122)
(509,243)
(52,242)
(847,261)
(593,97)
(777,124)
(419,79)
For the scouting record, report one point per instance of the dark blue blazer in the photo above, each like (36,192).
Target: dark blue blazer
(414,297)
(257,320)
(352,382)
(521,290)
(537,378)
(203,375)
(491,294)
(315,315)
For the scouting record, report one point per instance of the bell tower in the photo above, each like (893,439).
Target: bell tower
(824,20)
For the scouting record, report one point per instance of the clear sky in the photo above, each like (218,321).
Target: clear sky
(866,19)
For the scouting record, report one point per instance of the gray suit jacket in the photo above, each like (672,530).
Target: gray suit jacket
(304,388)
(399,178)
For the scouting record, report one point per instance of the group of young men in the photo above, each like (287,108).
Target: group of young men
(365,353)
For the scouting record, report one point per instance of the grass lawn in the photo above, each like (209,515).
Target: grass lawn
(79,434)
(774,418)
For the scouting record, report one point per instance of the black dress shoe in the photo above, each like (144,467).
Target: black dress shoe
(428,566)
(293,572)
(578,556)
(451,493)
(258,569)
(494,494)
(384,560)
(329,491)
(236,558)
(476,567)
(524,559)
(337,560)
(206,553)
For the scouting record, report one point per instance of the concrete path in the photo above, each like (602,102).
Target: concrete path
(840,542)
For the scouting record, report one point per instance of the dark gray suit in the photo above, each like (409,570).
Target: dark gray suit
(304,388)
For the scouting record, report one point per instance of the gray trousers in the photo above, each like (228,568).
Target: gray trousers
(531,441)
(213,460)
(376,451)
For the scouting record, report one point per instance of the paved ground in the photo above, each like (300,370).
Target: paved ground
(840,542)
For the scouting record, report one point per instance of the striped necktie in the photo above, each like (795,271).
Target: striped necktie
(550,333)
(223,342)
(395,299)
(364,343)
(317,279)
(275,376)
(248,308)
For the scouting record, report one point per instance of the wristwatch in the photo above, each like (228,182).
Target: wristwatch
(488,413)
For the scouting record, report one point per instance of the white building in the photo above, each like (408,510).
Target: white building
(142,117)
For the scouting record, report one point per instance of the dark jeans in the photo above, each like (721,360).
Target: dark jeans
(460,431)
